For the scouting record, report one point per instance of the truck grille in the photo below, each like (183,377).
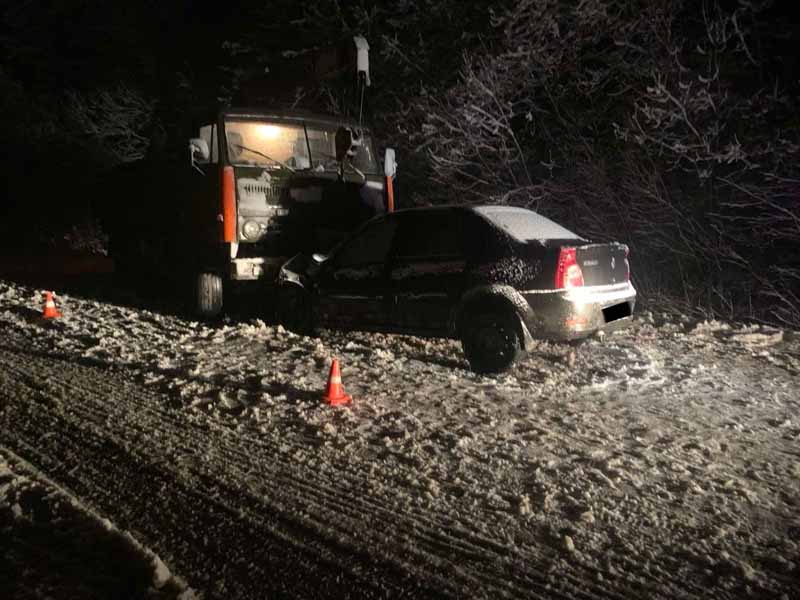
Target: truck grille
(261,190)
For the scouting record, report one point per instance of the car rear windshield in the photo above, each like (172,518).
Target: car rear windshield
(525,225)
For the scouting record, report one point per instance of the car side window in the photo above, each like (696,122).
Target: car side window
(437,234)
(371,246)
(482,241)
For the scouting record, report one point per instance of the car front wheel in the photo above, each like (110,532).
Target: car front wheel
(491,341)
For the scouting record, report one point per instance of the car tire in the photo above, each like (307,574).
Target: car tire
(491,340)
(294,309)
(208,295)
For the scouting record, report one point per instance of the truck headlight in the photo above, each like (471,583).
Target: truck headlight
(251,230)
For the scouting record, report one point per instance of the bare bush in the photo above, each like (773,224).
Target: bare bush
(732,153)
(115,119)
(650,122)
(525,113)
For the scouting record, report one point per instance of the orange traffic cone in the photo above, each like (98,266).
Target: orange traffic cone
(334,394)
(50,311)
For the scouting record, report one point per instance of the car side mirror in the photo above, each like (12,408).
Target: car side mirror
(320,258)
(389,163)
(198,150)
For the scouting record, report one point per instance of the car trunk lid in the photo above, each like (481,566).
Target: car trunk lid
(603,264)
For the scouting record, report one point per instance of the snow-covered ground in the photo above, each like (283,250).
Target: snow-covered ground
(660,461)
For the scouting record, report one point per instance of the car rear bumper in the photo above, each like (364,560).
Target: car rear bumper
(579,312)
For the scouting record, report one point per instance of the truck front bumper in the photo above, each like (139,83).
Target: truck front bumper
(250,269)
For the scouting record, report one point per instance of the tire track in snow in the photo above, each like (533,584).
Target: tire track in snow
(484,559)
(185,518)
(328,497)
(329,504)
(338,471)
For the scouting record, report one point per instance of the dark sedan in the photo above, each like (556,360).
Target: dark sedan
(496,277)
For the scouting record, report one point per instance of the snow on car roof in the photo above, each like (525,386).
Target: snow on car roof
(525,225)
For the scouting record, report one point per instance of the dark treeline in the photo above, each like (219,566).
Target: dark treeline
(669,124)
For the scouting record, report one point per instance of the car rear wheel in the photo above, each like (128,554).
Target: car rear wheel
(208,295)
(294,309)
(491,341)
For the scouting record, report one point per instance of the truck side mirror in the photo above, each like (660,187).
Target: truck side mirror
(345,142)
(389,163)
(198,150)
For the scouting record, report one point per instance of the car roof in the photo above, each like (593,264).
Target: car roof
(525,225)
(466,207)
(478,209)
(533,226)
(424,209)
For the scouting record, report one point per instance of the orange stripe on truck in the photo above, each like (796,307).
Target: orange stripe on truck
(228,205)
(389,195)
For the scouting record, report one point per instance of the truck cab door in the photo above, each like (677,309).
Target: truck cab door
(200,198)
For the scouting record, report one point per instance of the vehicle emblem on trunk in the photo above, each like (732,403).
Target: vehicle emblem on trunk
(613,263)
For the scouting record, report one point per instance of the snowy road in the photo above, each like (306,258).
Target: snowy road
(663,461)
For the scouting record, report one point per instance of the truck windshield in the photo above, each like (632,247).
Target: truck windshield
(277,145)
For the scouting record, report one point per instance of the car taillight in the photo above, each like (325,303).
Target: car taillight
(568,271)
(228,205)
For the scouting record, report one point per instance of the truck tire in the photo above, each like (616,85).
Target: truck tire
(208,295)
(491,340)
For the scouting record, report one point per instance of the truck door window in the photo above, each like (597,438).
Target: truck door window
(209,134)
(321,139)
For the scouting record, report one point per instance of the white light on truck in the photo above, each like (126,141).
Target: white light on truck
(251,230)
(268,132)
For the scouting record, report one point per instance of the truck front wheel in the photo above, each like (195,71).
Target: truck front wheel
(208,295)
